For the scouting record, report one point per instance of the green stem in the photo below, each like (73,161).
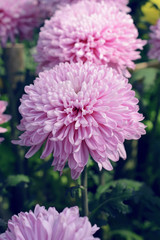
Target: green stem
(150,64)
(102,177)
(84,176)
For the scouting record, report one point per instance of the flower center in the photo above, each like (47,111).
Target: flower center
(75,110)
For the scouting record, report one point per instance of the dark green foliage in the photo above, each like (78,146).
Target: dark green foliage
(125,234)
(3,225)
(124,205)
(110,199)
(14,180)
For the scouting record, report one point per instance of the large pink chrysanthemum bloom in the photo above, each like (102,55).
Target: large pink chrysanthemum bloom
(98,33)
(48,7)
(77,110)
(3,117)
(154,52)
(18,18)
(49,225)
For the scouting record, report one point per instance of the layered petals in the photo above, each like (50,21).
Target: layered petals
(48,224)
(99,33)
(154,41)
(18,18)
(48,7)
(78,110)
(3,117)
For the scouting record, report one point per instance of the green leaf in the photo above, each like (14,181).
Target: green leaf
(111,197)
(150,204)
(126,234)
(14,180)
(146,76)
(130,184)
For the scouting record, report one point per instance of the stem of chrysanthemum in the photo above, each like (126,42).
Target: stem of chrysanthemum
(84,179)
(151,64)
(102,177)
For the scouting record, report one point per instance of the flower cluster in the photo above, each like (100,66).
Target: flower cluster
(99,33)
(79,109)
(18,18)
(154,52)
(49,225)
(81,104)
(3,117)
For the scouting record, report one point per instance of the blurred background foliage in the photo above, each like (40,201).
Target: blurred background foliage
(125,202)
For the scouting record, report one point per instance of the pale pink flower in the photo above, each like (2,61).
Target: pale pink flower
(3,117)
(121,4)
(89,31)
(18,18)
(48,224)
(154,52)
(77,110)
(48,7)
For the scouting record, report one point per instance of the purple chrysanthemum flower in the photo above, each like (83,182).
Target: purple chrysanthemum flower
(154,52)
(99,33)
(18,18)
(48,224)
(48,7)
(3,117)
(77,110)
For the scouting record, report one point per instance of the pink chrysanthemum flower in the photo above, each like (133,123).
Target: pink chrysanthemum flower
(18,18)
(49,225)
(121,4)
(77,110)
(48,7)
(154,52)
(99,33)
(3,117)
